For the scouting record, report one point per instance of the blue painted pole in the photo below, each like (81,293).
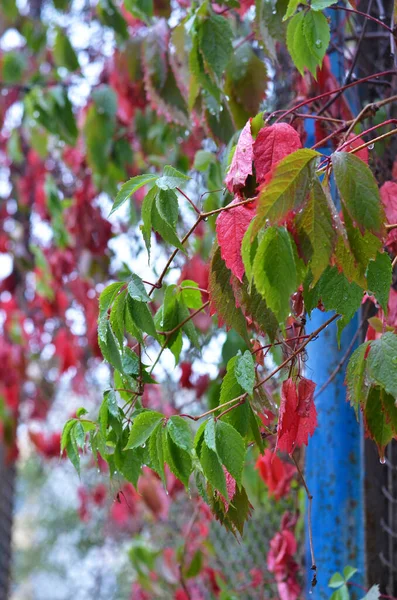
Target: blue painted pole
(334,467)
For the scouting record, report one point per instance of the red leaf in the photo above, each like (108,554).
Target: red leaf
(363,154)
(272,145)
(241,165)
(298,416)
(388,194)
(276,473)
(231,226)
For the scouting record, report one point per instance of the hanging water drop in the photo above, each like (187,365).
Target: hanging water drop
(382,460)
(274,12)
(371,146)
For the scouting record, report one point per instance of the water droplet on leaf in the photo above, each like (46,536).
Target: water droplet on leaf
(318,43)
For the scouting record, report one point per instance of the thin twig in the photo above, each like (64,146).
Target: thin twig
(309,521)
(341,362)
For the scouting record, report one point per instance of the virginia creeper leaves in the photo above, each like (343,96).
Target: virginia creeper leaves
(215,37)
(222,297)
(359,191)
(308,37)
(274,269)
(379,277)
(287,188)
(231,226)
(272,144)
(241,165)
(316,231)
(382,362)
(298,416)
(143,426)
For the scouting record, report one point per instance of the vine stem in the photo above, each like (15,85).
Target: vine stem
(309,521)
(240,399)
(331,92)
(363,14)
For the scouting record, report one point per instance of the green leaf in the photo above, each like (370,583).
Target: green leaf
(156,451)
(373,593)
(348,572)
(213,470)
(144,424)
(209,435)
(222,296)
(255,309)
(66,433)
(73,454)
(167,206)
(13,65)
(178,460)
(338,294)
(136,289)
(245,83)
(231,449)
(63,52)
(131,467)
(111,17)
(321,4)
(375,421)
(147,206)
(359,191)
(109,347)
(141,9)
(103,417)
(166,231)
(180,433)
(130,362)
(357,389)
(245,372)
(316,231)
(77,434)
(80,412)
(336,581)
(298,47)
(291,8)
(353,256)
(203,159)
(379,278)
(287,188)
(254,428)
(230,389)
(117,316)
(274,270)
(129,188)
(317,35)
(141,316)
(382,362)
(108,295)
(195,565)
(215,40)
(191,297)
(111,401)
(341,594)
(171,179)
